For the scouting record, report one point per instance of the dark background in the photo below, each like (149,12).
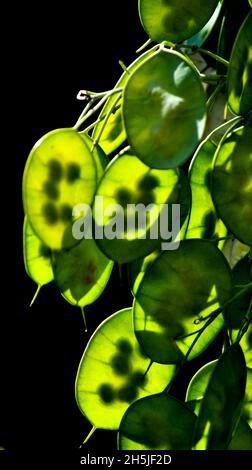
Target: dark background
(52,53)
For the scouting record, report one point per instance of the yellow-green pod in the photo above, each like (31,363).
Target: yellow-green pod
(114,372)
(175,20)
(59,174)
(164,109)
(239,80)
(232,183)
(37,258)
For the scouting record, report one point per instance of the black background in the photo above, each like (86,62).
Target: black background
(51,52)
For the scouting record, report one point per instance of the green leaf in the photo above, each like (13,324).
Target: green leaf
(222,403)
(203,222)
(114,133)
(199,38)
(236,312)
(231,183)
(166,324)
(37,257)
(60,173)
(174,21)
(126,182)
(239,81)
(112,370)
(158,422)
(164,109)
(81,272)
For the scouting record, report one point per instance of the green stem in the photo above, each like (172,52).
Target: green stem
(246,324)
(35,295)
(147,370)
(184,360)
(110,111)
(212,98)
(122,64)
(241,286)
(120,273)
(211,77)
(100,119)
(84,318)
(230,123)
(225,114)
(89,435)
(213,56)
(84,112)
(97,107)
(146,44)
(219,239)
(194,50)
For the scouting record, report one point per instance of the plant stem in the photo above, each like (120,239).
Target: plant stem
(89,434)
(246,324)
(214,56)
(97,107)
(101,118)
(231,123)
(122,64)
(196,49)
(211,77)
(110,111)
(84,318)
(147,370)
(146,44)
(219,239)
(211,100)
(85,110)
(35,295)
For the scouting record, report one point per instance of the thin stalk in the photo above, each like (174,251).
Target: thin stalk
(214,56)
(100,119)
(231,123)
(147,370)
(146,44)
(35,295)
(194,50)
(211,77)
(97,107)
(122,64)
(219,239)
(84,112)
(84,318)
(89,435)
(225,114)
(110,111)
(246,324)
(212,98)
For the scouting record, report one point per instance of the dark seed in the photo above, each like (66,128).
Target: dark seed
(106,393)
(55,171)
(50,213)
(73,172)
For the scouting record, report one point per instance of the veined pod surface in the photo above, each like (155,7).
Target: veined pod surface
(164,109)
